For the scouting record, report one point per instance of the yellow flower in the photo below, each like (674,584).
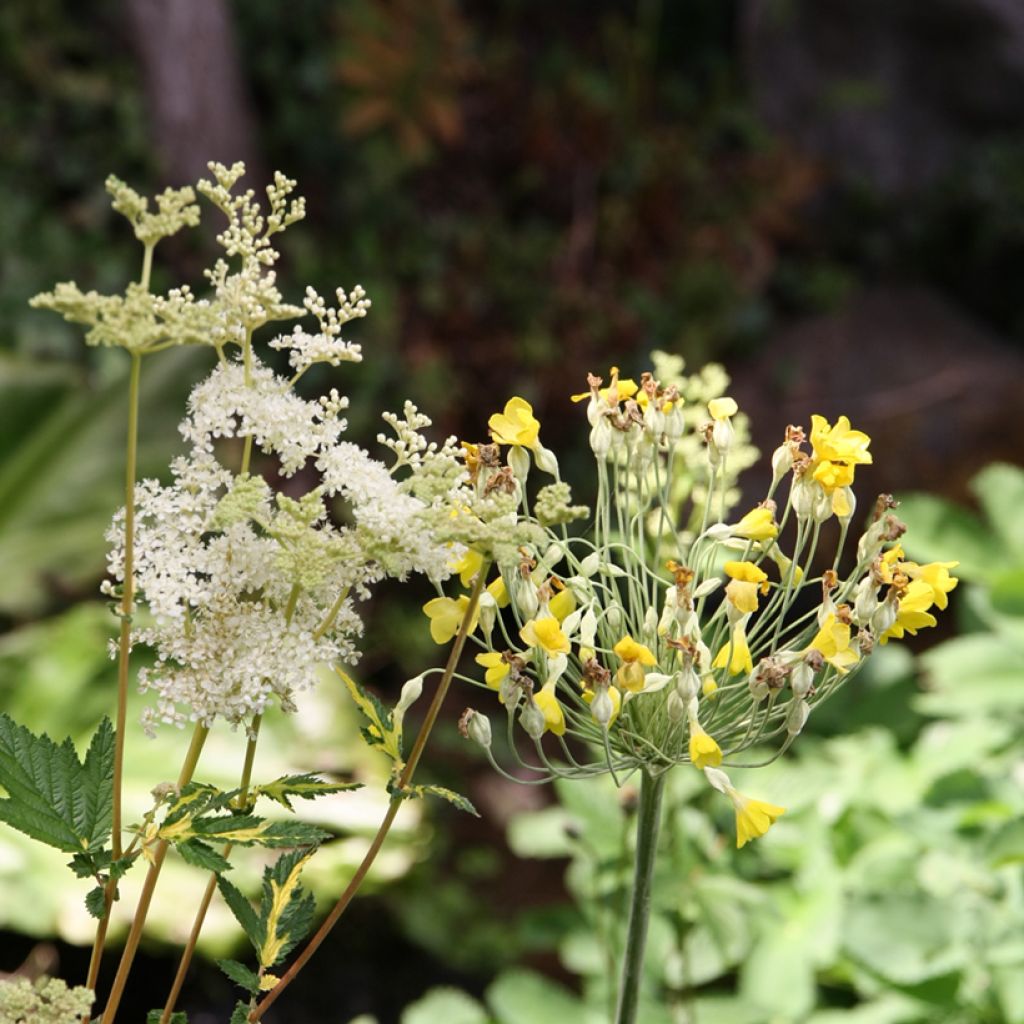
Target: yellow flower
(704,751)
(833,641)
(446,615)
(496,588)
(630,675)
(467,566)
(757,524)
(784,564)
(497,668)
(516,425)
(562,604)
(624,389)
(746,580)
(554,717)
(546,634)
(837,451)
(753,817)
(735,655)
(709,687)
(615,697)
(936,575)
(913,613)
(722,408)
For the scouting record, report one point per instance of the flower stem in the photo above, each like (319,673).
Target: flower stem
(211,886)
(396,801)
(142,909)
(648,820)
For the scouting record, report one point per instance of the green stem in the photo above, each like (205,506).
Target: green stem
(648,820)
(211,886)
(396,801)
(146,896)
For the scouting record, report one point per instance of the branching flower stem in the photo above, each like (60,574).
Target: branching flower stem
(648,821)
(142,909)
(396,802)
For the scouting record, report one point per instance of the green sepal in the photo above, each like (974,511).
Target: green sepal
(51,795)
(303,787)
(241,975)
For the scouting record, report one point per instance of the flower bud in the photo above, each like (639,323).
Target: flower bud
(602,708)
(651,625)
(675,706)
(590,565)
(885,616)
(546,460)
(687,684)
(718,532)
(709,586)
(477,727)
(613,616)
(801,679)
(821,503)
(532,720)
(524,594)
(601,438)
(782,462)
(796,716)
(801,497)
(410,694)
(866,602)
(519,461)
(718,779)
(488,611)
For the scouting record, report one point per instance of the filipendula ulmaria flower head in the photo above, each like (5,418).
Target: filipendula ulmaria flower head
(241,590)
(694,635)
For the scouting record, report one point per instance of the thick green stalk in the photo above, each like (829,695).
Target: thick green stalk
(648,822)
(146,896)
(396,801)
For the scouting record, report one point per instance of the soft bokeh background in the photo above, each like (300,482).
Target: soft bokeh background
(825,195)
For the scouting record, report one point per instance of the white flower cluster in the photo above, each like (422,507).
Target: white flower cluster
(327,346)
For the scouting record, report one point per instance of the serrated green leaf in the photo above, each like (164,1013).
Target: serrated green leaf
(286,909)
(156,1016)
(240,975)
(243,911)
(457,799)
(381,732)
(303,787)
(96,902)
(51,795)
(240,1014)
(197,853)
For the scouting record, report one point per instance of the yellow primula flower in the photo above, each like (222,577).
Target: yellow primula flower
(562,604)
(497,589)
(839,443)
(753,817)
(446,615)
(467,566)
(834,643)
(497,668)
(704,751)
(554,717)
(936,575)
(912,613)
(709,687)
(757,524)
(516,425)
(546,634)
(630,675)
(624,388)
(745,581)
(722,408)
(735,655)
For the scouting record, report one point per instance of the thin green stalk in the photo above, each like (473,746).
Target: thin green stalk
(211,886)
(142,909)
(396,801)
(648,820)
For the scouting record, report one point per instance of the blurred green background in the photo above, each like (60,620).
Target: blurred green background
(825,195)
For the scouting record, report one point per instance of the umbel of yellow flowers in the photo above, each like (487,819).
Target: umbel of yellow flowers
(652,645)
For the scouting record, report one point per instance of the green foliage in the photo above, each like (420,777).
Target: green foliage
(155,1017)
(303,787)
(456,799)
(240,975)
(284,913)
(51,795)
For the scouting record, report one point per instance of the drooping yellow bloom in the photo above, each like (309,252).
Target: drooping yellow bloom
(516,425)
(446,615)
(497,668)
(833,640)
(838,451)
(467,566)
(735,655)
(722,408)
(757,524)
(709,687)
(562,604)
(630,675)
(745,581)
(546,634)
(554,717)
(497,589)
(913,613)
(936,575)
(704,751)
(753,817)
(785,564)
